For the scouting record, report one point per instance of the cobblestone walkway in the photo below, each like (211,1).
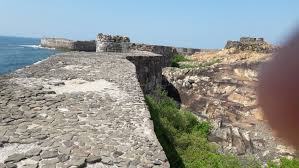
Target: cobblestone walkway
(77,110)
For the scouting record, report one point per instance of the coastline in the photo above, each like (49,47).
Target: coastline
(37,46)
(18,53)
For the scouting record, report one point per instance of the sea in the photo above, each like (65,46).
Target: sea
(18,52)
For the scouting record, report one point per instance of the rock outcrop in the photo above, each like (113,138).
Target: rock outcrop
(251,44)
(224,94)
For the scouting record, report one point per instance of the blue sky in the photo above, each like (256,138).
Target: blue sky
(185,23)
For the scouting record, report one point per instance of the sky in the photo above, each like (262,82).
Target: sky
(181,23)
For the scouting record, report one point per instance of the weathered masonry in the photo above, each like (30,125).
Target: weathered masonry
(69,45)
(81,109)
(108,42)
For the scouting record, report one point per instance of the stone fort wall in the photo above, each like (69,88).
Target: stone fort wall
(116,43)
(70,45)
(81,109)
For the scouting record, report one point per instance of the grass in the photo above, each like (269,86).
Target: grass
(284,163)
(176,59)
(184,138)
(180,58)
(203,65)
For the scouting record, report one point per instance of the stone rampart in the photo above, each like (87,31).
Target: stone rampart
(57,43)
(88,46)
(81,109)
(187,51)
(109,43)
(165,51)
(149,71)
(69,45)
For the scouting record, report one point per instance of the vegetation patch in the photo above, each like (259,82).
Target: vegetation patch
(184,138)
(175,62)
(284,163)
(202,65)
(178,58)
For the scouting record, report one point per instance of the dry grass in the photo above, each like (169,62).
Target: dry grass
(229,56)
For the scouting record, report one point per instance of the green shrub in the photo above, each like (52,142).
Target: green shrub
(203,65)
(284,163)
(183,137)
(176,59)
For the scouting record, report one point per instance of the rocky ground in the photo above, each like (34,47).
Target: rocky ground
(76,110)
(220,87)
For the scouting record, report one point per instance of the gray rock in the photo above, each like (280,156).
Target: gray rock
(49,154)
(107,161)
(33,152)
(2,165)
(157,162)
(79,153)
(48,166)
(63,157)
(4,139)
(49,161)
(30,166)
(93,159)
(36,158)
(11,165)
(15,158)
(64,150)
(117,154)
(77,161)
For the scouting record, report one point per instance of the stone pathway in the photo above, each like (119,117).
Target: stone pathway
(77,110)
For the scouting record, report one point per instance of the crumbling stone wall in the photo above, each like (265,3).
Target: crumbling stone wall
(89,46)
(65,44)
(148,65)
(187,51)
(165,51)
(149,71)
(108,43)
(57,43)
(250,44)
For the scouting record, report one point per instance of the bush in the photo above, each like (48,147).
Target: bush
(183,137)
(284,163)
(203,65)
(176,59)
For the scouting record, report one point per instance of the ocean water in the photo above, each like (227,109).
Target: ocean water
(16,53)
